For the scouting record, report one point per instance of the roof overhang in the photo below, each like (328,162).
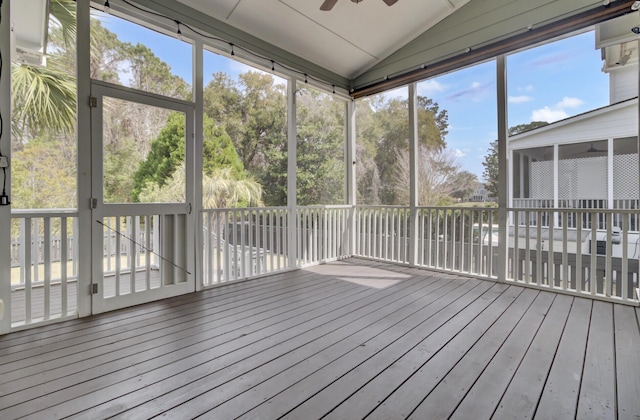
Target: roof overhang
(30,27)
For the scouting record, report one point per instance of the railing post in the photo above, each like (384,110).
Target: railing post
(350,166)
(413,169)
(85,223)
(503,175)
(197,216)
(292,155)
(5,149)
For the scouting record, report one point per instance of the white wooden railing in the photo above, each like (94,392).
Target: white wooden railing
(322,233)
(553,255)
(44,265)
(547,248)
(242,243)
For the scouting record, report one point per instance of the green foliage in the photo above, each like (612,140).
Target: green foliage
(521,128)
(382,133)
(320,148)
(168,153)
(490,173)
(490,163)
(40,177)
(253,111)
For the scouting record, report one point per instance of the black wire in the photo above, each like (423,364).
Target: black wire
(144,247)
(231,45)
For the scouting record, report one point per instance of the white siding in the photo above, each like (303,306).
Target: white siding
(615,121)
(623,83)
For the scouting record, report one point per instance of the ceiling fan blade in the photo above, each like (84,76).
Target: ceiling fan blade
(328,5)
(390,2)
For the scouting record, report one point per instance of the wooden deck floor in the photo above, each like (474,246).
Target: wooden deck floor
(346,340)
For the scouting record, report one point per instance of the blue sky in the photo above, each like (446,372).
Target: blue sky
(546,83)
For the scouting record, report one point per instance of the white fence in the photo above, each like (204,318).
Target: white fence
(44,265)
(582,252)
(241,243)
(586,252)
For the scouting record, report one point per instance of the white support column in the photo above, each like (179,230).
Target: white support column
(350,167)
(521,174)
(413,170)
(503,167)
(292,153)
(610,173)
(510,187)
(85,224)
(5,149)
(556,189)
(198,98)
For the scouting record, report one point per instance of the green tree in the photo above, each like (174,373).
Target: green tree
(168,153)
(320,169)
(383,131)
(253,111)
(490,163)
(220,189)
(40,178)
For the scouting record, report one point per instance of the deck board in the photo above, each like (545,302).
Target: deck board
(350,339)
(598,388)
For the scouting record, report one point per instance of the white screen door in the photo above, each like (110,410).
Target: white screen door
(142,190)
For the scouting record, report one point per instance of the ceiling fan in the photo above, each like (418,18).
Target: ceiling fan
(328,4)
(592,149)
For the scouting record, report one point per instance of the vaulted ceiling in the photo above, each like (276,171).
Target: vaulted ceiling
(360,44)
(347,40)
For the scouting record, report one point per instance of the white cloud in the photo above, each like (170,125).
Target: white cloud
(549,115)
(528,88)
(430,87)
(459,153)
(556,112)
(570,103)
(520,99)
(475,85)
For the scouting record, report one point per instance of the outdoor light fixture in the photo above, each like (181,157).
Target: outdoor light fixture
(635,6)
(107,7)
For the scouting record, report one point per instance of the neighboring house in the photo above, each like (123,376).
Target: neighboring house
(480,194)
(593,156)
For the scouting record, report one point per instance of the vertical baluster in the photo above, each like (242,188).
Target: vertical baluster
(253,249)
(565,242)
(454,266)
(527,247)
(274,232)
(593,278)
(551,258)
(147,252)
(28,249)
(607,287)
(470,252)
(539,273)
(265,238)
(237,269)
(578,268)
(421,243)
(63,266)
(220,247)
(278,239)
(118,256)
(445,239)
(133,233)
(243,248)
(47,267)
(516,247)
(207,255)
(624,282)
(109,245)
(405,249)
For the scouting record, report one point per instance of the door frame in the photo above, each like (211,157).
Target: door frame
(99,209)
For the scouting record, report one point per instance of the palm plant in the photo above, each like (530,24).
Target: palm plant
(44,98)
(219,190)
